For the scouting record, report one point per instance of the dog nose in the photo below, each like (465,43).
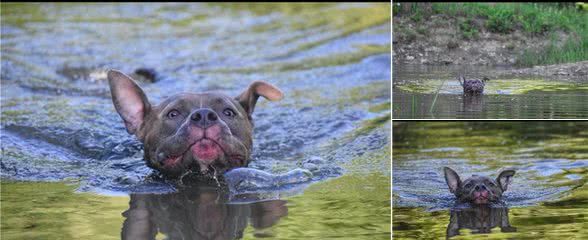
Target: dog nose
(478,187)
(204,118)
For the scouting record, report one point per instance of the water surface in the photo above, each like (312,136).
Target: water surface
(546,199)
(423,91)
(66,155)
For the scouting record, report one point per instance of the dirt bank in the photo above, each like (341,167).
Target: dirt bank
(565,71)
(439,39)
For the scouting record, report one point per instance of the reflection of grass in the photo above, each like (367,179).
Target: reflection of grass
(354,206)
(346,20)
(268,8)
(380,107)
(350,20)
(314,97)
(377,160)
(362,52)
(53,211)
(21,13)
(578,199)
(372,124)
(338,59)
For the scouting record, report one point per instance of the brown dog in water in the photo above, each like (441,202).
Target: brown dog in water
(478,189)
(208,133)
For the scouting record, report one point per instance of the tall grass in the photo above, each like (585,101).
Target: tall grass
(573,49)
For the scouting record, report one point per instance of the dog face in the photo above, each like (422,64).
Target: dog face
(478,189)
(472,86)
(200,132)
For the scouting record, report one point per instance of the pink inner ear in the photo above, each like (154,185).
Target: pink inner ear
(131,102)
(128,99)
(268,91)
(135,115)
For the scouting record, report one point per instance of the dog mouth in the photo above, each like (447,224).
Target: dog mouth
(208,154)
(206,150)
(481,197)
(203,150)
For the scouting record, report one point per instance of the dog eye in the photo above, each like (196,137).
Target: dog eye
(229,112)
(173,113)
(469,185)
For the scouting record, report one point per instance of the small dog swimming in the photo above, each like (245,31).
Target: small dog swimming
(472,86)
(478,189)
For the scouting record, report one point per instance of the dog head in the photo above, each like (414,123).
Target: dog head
(478,189)
(205,132)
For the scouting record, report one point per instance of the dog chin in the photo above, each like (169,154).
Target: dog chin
(206,151)
(481,201)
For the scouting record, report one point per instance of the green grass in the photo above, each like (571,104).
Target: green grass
(468,28)
(573,50)
(533,19)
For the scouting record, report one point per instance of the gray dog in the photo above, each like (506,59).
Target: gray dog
(472,86)
(480,192)
(208,133)
(478,189)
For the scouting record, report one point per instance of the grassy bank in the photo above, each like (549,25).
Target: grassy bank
(532,19)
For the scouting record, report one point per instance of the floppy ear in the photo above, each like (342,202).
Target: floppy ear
(504,178)
(248,98)
(129,100)
(452,179)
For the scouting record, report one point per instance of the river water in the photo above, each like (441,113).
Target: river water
(70,170)
(546,199)
(433,92)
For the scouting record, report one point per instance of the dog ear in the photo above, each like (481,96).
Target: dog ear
(248,98)
(129,100)
(504,178)
(452,179)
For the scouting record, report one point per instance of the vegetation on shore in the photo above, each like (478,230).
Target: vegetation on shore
(532,19)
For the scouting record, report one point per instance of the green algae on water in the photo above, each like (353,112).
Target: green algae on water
(499,86)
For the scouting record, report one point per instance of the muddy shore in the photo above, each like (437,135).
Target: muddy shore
(564,71)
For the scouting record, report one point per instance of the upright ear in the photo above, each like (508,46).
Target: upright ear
(248,98)
(504,178)
(452,179)
(129,100)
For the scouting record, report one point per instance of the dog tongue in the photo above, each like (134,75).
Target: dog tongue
(205,151)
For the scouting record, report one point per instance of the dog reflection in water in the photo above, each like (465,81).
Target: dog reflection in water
(479,219)
(196,213)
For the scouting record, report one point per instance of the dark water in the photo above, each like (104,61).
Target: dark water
(416,86)
(547,197)
(66,155)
